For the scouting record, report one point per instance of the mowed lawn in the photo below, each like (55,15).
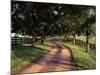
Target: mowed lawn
(23,55)
(83,60)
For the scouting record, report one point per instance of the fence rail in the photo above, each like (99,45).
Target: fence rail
(20,40)
(26,40)
(83,43)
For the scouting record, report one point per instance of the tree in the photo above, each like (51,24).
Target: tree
(32,18)
(89,29)
(43,19)
(70,18)
(74,17)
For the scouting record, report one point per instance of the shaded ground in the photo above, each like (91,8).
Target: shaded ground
(58,59)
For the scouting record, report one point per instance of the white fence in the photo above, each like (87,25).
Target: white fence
(20,40)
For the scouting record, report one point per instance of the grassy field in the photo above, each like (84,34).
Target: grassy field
(83,38)
(23,55)
(91,40)
(83,60)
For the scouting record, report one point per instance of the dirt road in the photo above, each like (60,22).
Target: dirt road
(58,59)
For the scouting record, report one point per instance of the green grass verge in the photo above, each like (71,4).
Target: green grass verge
(23,55)
(83,60)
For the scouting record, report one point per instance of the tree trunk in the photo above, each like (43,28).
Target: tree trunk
(74,39)
(33,39)
(87,43)
(65,38)
(87,38)
(42,39)
(24,38)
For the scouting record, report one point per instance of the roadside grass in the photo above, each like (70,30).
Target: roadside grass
(83,60)
(23,55)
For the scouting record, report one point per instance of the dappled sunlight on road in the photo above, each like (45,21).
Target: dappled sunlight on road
(58,59)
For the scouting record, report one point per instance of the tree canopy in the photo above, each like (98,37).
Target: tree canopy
(52,19)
